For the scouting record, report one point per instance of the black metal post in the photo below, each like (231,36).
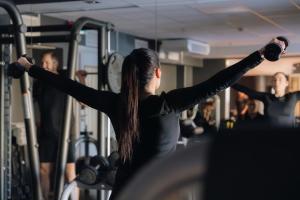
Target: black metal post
(100,115)
(20,44)
(3,137)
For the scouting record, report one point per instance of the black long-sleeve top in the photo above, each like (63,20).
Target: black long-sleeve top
(50,102)
(278,111)
(158,114)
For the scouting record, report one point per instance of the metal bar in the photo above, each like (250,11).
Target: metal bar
(101,86)
(72,64)
(92,73)
(39,39)
(108,120)
(39,1)
(108,144)
(20,44)
(49,28)
(68,191)
(3,193)
(6,53)
(9,29)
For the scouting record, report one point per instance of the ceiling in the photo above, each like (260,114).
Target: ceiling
(223,24)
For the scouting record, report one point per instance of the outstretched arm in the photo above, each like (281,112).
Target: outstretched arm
(251,93)
(100,100)
(297,93)
(181,99)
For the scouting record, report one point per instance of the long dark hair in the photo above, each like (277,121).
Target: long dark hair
(137,70)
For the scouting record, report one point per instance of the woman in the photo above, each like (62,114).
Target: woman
(278,107)
(146,124)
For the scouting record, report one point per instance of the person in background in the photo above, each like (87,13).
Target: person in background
(252,113)
(188,127)
(205,118)
(241,102)
(51,102)
(278,107)
(252,117)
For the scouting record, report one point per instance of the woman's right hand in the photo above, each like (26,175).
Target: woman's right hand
(25,63)
(276,41)
(81,73)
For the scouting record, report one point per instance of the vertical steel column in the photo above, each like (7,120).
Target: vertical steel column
(6,136)
(108,42)
(103,128)
(102,57)
(108,149)
(20,44)
(3,193)
(64,139)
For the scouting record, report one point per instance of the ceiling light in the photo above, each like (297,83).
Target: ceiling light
(91,1)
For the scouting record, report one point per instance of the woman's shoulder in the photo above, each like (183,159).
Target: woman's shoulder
(156,105)
(63,72)
(293,94)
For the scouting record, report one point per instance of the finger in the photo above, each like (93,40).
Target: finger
(22,61)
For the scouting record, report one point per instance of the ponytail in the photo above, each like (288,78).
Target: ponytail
(129,120)
(137,71)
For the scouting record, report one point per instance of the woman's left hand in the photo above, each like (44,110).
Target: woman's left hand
(25,63)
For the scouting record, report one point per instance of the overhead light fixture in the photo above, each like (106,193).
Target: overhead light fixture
(91,1)
(36,46)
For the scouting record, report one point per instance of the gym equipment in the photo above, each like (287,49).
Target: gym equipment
(95,172)
(97,169)
(73,38)
(114,72)
(86,141)
(5,176)
(103,29)
(273,50)
(21,188)
(114,160)
(16,70)
(6,152)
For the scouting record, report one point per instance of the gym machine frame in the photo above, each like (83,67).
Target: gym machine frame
(73,39)
(103,29)
(19,29)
